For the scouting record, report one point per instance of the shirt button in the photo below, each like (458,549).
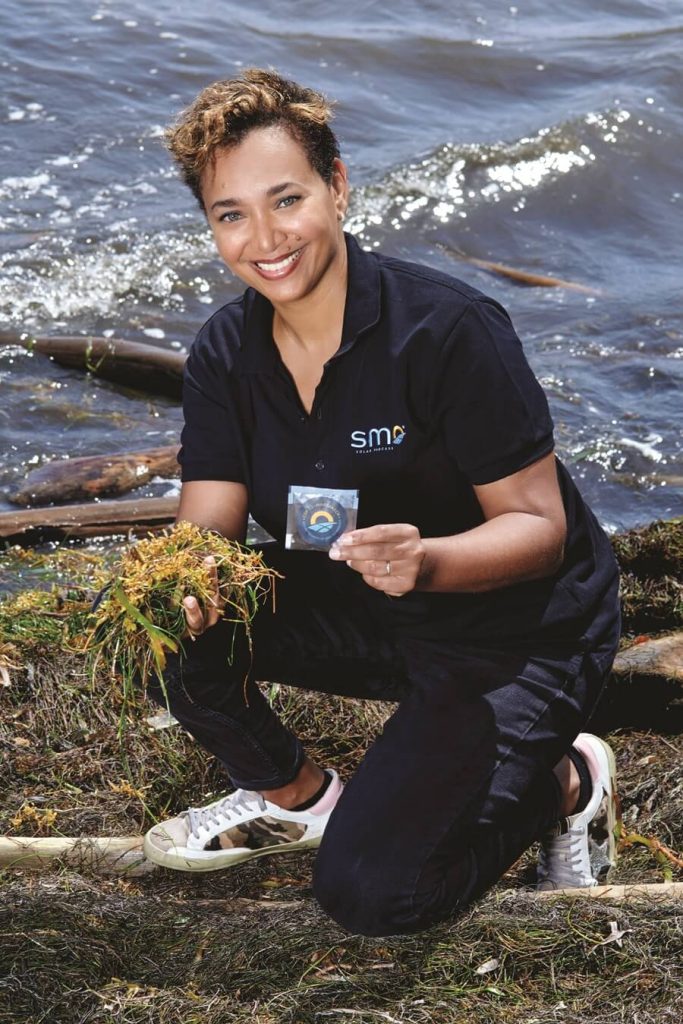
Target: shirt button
(320,464)
(319,414)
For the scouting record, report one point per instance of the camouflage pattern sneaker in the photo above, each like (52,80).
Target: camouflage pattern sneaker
(236,828)
(582,848)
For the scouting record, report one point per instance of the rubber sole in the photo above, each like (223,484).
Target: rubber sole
(219,859)
(605,828)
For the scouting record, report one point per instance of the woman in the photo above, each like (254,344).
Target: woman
(477,590)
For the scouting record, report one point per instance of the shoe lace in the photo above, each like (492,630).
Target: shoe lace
(222,812)
(564,859)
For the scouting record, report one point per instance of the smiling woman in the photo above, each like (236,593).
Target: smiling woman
(477,590)
(283,226)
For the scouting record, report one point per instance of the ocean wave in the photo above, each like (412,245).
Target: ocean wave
(56,278)
(456,177)
(99,282)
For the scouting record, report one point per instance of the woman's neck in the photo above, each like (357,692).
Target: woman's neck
(315,322)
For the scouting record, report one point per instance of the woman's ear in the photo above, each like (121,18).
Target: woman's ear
(340,187)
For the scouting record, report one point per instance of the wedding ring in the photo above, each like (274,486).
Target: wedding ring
(388,568)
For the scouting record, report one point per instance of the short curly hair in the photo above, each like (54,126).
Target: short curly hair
(225,112)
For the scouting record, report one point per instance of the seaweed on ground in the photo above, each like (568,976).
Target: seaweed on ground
(40,623)
(651,563)
(652,551)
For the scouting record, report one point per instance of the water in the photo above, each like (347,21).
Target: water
(548,140)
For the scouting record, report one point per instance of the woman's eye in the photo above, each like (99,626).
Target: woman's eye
(230,216)
(288,200)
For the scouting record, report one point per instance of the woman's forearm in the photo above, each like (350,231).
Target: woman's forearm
(510,548)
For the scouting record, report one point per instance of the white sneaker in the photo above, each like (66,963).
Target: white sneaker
(236,828)
(582,848)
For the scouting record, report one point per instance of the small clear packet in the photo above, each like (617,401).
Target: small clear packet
(317,516)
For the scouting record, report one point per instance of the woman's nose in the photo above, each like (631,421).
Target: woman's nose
(267,235)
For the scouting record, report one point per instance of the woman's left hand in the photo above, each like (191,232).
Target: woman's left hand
(389,556)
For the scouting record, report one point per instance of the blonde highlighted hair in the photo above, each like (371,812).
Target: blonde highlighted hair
(225,112)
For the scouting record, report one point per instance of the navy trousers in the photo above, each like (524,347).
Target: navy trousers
(456,786)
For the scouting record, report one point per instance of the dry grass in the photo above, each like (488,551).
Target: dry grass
(170,947)
(74,950)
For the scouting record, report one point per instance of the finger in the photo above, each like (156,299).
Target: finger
(212,569)
(193,614)
(211,617)
(380,553)
(382,568)
(381,533)
(216,601)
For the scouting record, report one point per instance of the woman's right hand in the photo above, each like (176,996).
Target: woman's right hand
(200,619)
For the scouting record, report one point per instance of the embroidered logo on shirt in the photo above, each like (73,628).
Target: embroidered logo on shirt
(377,439)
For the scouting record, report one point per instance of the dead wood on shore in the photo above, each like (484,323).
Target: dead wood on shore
(91,476)
(92,519)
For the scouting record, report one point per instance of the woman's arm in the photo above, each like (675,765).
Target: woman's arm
(219,505)
(522,539)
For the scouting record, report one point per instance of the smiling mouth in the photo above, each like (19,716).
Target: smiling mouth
(278,267)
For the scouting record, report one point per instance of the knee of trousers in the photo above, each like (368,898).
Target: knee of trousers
(357,900)
(368,895)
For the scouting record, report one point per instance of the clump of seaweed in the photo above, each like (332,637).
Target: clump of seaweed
(58,564)
(652,551)
(141,618)
(651,563)
(37,623)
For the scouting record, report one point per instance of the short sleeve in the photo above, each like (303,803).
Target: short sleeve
(492,411)
(212,441)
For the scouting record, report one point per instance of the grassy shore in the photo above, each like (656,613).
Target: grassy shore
(250,944)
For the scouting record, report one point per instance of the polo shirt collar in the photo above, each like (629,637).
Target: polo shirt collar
(362,311)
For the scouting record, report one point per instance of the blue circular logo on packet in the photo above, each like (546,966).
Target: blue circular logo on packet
(320,521)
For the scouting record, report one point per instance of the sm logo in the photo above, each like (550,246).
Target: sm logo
(377,438)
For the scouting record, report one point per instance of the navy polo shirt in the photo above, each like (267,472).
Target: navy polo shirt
(428,394)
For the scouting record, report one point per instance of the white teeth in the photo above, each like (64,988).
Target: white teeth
(281,264)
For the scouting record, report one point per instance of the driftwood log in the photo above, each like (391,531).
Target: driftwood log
(94,475)
(122,855)
(143,367)
(660,657)
(93,519)
(658,891)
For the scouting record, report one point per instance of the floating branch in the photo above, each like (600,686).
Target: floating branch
(139,366)
(521,276)
(94,475)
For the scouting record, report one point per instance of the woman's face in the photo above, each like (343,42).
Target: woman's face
(276,223)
